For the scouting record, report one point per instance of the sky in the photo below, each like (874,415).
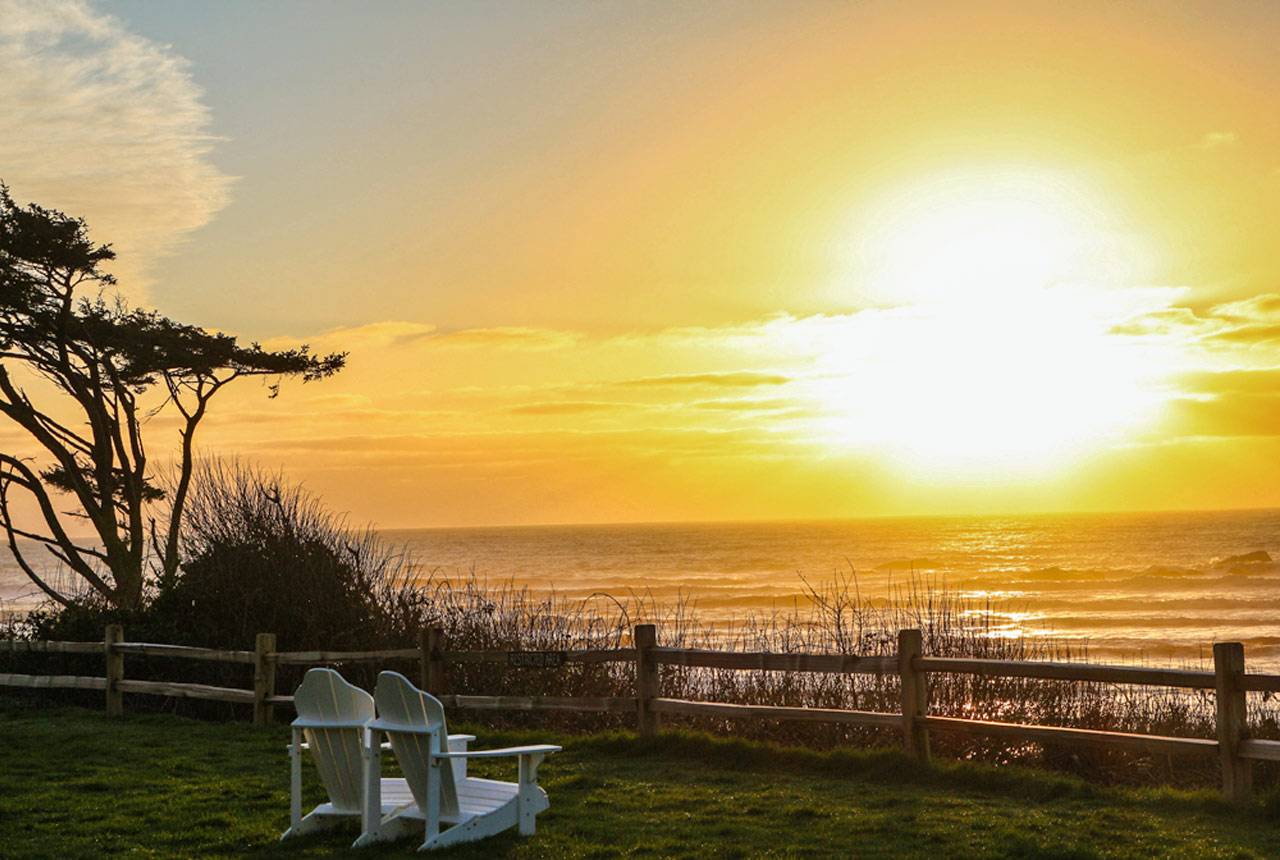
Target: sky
(608,262)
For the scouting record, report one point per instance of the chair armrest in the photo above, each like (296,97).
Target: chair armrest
(466,738)
(301,723)
(536,749)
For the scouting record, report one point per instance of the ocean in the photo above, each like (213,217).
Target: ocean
(1158,588)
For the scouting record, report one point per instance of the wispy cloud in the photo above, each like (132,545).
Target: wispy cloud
(1265,381)
(742,379)
(749,404)
(105,124)
(508,337)
(1249,321)
(568,407)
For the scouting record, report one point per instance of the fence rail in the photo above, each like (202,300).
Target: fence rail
(769,661)
(1069,672)
(1158,744)
(40,647)
(768,712)
(1229,681)
(148,649)
(186,691)
(53,682)
(311,658)
(601,655)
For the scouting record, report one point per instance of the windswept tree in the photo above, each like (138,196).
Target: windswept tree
(81,373)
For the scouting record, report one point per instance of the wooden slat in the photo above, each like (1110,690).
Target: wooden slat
(55,682)
(1262,683)
(151,649)
(186,691)
(766,712)
(280,700)
(1258,749)
(601,655)
(595,655)
(1057,734)
(1068,672)
(474,656)
(772,661)
(541,703)
(307,657)
(50,647)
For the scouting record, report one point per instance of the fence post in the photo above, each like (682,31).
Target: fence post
(115,669)
(915,695)
(264,678)
(645,637)
(430,644)
(1228,669)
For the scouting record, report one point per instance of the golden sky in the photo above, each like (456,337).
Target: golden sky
(607,262)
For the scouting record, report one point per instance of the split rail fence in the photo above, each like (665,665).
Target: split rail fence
(1229,681)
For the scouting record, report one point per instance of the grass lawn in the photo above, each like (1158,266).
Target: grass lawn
(75,784)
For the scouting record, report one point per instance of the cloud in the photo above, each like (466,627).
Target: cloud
(559,444)
(106,125)
(1227,404)
(1247,322)
(1250,334)
(746,405)
(1162,323)
(568,407)
(1256,381)
(508,337)
(742,379)
(1232,415)
(1259,307)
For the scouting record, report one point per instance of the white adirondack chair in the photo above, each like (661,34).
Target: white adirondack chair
(332,723)
(476,808)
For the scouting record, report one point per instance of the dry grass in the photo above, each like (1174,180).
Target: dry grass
(836,618)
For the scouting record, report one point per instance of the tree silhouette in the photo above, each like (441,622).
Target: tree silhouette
(111,367)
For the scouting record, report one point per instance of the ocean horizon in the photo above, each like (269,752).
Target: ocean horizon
(1155,587)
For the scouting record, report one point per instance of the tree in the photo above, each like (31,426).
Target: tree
(111,367)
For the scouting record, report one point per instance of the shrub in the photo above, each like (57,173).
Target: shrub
(262,555)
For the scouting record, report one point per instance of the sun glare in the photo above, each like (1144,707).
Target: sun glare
(996,355)
(989,233)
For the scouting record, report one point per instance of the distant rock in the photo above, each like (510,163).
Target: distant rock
(1258,557)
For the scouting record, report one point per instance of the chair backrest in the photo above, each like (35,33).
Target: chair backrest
(325,697)
(402,704)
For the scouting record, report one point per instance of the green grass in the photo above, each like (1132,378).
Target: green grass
(76,784)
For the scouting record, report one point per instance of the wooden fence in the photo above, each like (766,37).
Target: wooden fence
(1229,681)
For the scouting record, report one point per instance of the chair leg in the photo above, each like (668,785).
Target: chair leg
(371,811)
(528,799)
(295,785)
(432,812)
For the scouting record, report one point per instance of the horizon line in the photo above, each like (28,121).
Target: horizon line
(832,519)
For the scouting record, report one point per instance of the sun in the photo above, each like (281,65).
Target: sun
(993,350)
(990,233)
